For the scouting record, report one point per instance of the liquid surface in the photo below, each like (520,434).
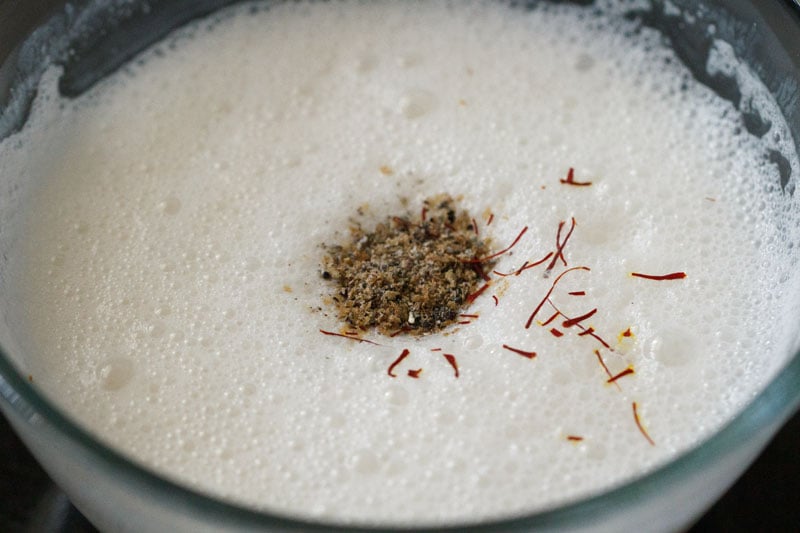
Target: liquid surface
(171,265)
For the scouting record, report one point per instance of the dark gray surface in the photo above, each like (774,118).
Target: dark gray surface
(766,498)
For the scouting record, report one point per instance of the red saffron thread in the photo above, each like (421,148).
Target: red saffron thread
(415,373)
(578,293)
(475,226)
(603,364)
(404,329)
(549,292)
(464,322)
(479,270)
(491,217)
(397,361)
(357,339)
(502,275)
(599,339)
(501,252)
(452,360)
(523,353)
(558,243)
(556,333)
(496,301)
(577,320)
(464,315)
(561,245)
(537,263)
(401,222)
(628,371)
(525,266)
(521,269)
(665,277)
(639,425)
(472,297)
(627,333)
(436,349)
(571,179)
(424,214)
(574,438)
(549,320)
(584,331)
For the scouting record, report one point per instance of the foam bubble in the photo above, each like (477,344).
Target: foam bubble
(116,373)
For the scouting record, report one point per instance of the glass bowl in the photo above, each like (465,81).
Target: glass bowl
(117,494)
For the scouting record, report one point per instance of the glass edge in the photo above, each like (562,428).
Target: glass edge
(770,408)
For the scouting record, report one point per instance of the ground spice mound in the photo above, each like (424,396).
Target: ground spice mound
(408,275)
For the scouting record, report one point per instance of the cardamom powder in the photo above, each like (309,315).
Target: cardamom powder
(407,275)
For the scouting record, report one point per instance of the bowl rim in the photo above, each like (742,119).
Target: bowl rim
(779,399)
(763,415)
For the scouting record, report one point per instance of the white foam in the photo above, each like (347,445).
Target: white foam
(172,255)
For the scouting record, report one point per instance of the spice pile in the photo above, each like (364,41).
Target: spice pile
(406,275)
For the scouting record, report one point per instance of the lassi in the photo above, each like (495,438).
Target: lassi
(643,260)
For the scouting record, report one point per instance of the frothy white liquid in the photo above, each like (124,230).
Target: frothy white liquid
(171,256)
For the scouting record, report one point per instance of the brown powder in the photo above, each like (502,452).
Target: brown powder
(408,275)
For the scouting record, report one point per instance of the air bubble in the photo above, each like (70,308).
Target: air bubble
(251,264)
(336,420)
(170,206)
(673,348)
(416,103)
(473,342)
(116,373)
(156,329)
(397,395)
